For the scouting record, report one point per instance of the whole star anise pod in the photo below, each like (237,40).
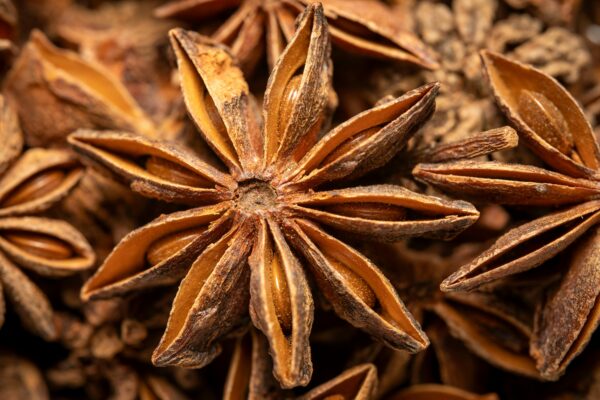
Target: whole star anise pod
(31,182)
(235,246)
(553,126)
(361,26)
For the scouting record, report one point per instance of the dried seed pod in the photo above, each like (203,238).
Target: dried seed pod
(359,383)
(199,315)
(501,183)
(250,373)
(162,171)
(37,180)
(282,305)
(397,120)
(218,101)
(526,247)
(353,30)
(72,92)
(49,247)
(546,116)
(565,324)
(385,212)
(157,253)
(297,94)
(28,300)
(388,320)
(475,146)
(491,327)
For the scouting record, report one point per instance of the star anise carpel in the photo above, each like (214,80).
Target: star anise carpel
(256,230)
(553,126)
(31,182)
(362,27)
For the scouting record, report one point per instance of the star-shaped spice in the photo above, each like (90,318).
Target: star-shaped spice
(553,126)
(364,27)
(257,230)
(32,182)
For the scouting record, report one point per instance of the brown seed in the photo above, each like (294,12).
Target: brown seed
(176,173)
(281,295)
(169,245)
(39,184)
(542,115)
(349,144)
(355,283)
(40,245)
(371,211)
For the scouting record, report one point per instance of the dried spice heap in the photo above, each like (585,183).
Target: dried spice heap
(299,199)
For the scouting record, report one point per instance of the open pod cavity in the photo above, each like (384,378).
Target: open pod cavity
(526,247)
(501,183)
(46,246)
(217,98)
(281,305)
(566,322)
(158,253)
(492,335)
(386,212)
(73,93)
(366,141)
(37,180)
(154,169)
(297,91)
(212,300)
(357,383)
(358,291)
(545,114)
(351,27)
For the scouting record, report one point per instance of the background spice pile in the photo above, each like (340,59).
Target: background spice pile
(345,199)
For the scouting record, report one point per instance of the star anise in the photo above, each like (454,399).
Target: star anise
(235,246)
(31,182)
(364,27)
(553,126)
(72,92)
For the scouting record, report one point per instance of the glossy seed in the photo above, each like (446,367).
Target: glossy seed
(175,173)
(40,245)
(289,98)
(281,295)
(36,186)
(355,283)
(169,245)
(542,115)
(213,114)
(349,144)
(370,211)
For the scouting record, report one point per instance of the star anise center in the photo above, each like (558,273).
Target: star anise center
(256,196)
